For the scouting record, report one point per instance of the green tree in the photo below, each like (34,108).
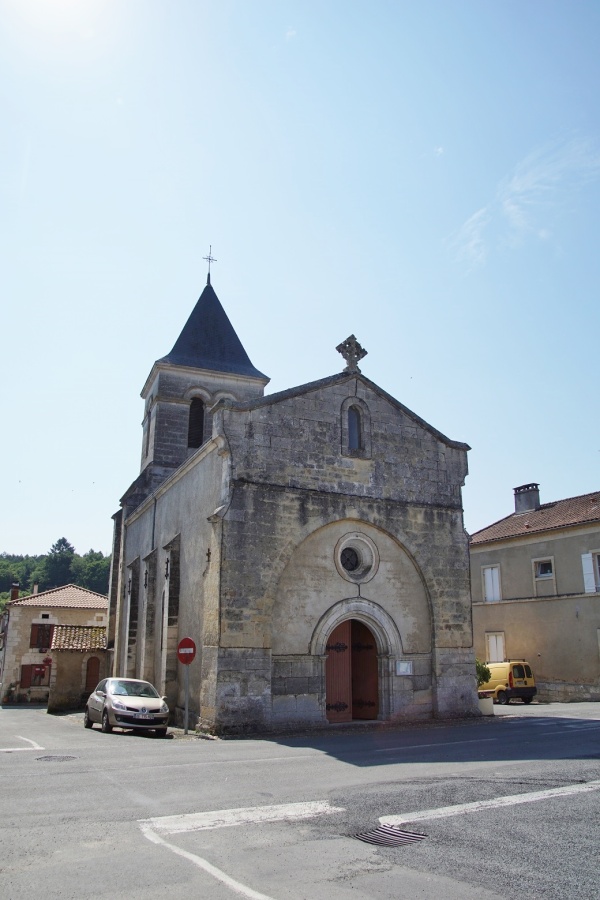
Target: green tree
(92,571)
(62,565)
(58,564)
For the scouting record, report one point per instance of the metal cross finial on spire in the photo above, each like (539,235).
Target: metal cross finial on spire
(352,352)
(210,258)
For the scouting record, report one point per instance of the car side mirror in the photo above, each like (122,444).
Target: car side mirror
(164,699)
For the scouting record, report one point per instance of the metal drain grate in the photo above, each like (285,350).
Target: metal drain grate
(54,758)
(390,836)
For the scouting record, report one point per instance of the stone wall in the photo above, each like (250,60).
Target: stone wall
(67,684)
(295,494)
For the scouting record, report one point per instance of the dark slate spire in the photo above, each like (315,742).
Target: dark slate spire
(208,340)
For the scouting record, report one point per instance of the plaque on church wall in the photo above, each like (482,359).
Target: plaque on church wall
(404,667)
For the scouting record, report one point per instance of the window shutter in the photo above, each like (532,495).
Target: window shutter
(491,579)
(495,646)
(589,582)
(34,636)
(26,676)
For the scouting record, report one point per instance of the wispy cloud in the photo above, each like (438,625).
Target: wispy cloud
(527,200)
(468,245)
(290,33)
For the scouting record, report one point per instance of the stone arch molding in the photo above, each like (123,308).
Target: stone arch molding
(198,393)
(383,627)
(285,555)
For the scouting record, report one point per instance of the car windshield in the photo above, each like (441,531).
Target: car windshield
(132,688)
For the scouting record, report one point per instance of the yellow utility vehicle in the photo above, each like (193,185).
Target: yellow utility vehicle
(511,678)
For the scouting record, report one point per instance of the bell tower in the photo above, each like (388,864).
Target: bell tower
(207,363)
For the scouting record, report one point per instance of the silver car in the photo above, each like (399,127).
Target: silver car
(127,703)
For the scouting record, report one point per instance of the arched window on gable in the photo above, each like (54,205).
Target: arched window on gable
(354,429)
(355,421)
(196,424)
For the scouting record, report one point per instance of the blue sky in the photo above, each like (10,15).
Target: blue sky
(423,175)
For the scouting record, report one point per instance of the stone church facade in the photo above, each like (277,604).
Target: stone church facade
(310,542)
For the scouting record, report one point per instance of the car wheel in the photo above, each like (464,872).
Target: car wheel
(527,699)
(502,698)
(87,722)
(161,732)
(106,726)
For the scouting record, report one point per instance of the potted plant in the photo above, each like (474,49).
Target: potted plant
(486,700)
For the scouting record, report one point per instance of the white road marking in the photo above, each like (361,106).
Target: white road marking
(224,818)
(251,815)
(34,746)
(564,732)
(445,744)
(444,812)
(204,864)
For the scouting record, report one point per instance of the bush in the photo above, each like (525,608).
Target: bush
(482,672)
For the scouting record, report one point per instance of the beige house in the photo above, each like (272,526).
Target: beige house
(535,582)
(310,542)
(54,646)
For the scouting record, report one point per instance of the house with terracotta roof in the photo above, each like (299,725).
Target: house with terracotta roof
(54,646)
(535,583)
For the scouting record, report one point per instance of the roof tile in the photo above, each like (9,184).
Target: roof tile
(560,514)
(69,596)
(79,637)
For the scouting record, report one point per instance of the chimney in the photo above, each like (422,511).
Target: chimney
(527,498)
(14,592)
(35,587)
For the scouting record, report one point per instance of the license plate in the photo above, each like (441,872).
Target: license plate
(142,716)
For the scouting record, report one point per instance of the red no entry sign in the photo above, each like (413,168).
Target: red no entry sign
(186,651)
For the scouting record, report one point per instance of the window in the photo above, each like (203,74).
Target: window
(491,583)
(543,568)
(544,576)
(41,636)
(35,676)
(356,557)
(147,446)
(494,646)
(591,571)
(355,423)
(196,424)
(354,429)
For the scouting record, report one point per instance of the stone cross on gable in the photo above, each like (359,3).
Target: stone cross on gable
(352,352)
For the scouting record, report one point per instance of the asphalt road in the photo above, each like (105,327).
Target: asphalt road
(510,807)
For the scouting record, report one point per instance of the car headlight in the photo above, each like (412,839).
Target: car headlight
(164,708)
(118,705)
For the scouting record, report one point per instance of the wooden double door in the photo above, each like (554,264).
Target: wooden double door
(351,673)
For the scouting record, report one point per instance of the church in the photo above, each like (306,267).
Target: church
(310,542)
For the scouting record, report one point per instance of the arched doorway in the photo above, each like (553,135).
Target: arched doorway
(351,673)
(92,674)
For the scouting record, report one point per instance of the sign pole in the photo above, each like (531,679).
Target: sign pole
(186,651)
(187,697)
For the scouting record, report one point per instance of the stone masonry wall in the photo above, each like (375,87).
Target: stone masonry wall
(292,477)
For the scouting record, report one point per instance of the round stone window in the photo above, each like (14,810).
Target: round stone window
(356,557)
